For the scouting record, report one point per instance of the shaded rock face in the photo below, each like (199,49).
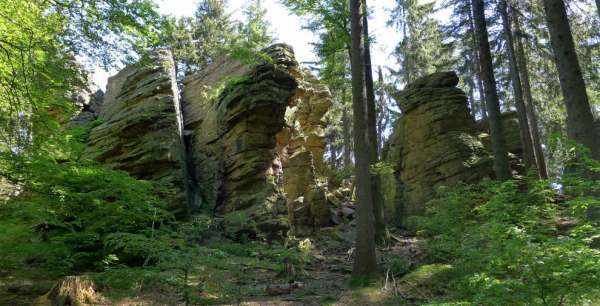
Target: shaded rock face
(141,129)
(510,124)
(256,141)
(88,103)
(434,143)
(512,136)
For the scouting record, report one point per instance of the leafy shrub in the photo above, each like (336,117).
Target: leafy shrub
(502,241)
(79,208)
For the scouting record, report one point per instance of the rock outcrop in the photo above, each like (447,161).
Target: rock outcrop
(435,142)
(512,136)
(88,103)
(141,129)
(256,141)
(246,142)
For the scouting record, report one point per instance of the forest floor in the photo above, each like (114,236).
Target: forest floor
(253,281)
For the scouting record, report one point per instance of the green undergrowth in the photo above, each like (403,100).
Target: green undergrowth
(505,243)
(76,217)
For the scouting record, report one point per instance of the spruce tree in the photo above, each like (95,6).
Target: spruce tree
(365,263)
(501,166)
(580,121)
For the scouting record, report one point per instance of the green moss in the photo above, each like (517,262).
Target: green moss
(429,275)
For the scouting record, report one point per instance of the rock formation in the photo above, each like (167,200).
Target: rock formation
(256,142)
(141,127)
(88,102)
(248,142)
(435,142)
(255,133)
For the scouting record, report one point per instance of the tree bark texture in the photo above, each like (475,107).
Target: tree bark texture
(365,263)
(580,122)
(529,103)
(524,130)
(380,228)
(501,166)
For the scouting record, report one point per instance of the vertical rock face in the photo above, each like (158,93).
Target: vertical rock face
(434,143)
(256,141)
(141,131)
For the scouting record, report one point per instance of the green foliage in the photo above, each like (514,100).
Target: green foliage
(422,49)
(43,48)
(82,215)
(210,34)
(503,242)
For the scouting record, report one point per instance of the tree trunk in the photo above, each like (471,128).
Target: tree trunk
(529,103)
(476,64)
(501,166)
(598,7)
(580,121)
(334,157)
(381,116)
(365,263)
(472,102)
(347,137)
(524,130)
(380,228)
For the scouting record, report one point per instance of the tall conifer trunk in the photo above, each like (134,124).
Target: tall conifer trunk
(529,103)
(476,65)
(501,166)
(580,121)
(365,263)
(524,131)
(380,229)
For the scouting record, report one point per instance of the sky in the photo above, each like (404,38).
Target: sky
(287,28)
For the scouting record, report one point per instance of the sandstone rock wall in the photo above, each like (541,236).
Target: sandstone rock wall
(257,141)
(434,143)
(141,131)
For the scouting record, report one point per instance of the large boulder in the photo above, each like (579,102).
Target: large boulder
(141,129)
(256,133)
(435,143)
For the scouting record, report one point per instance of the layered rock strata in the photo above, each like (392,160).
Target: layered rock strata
(256,141)
(141,129)
(435,142)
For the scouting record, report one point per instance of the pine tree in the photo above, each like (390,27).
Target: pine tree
(527,143)
(365,263)
(422,49)
(380,227)
(529,102)
(580,121)
(501,166)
